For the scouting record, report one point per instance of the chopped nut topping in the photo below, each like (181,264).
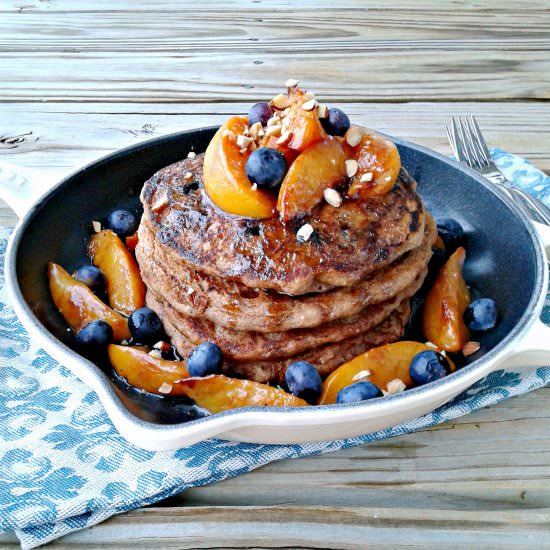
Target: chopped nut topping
(244,141)
(160,204)
(322,110)
(229,134)
(254,187)
(367,176)
(155,353)
(256,130)
(332,197)
(395,386)
(122,342)
(291,83)
(188,176)
(190,291)
(351,168)
(280,101)
(274,120)
(191,155)
(304,233)
(353,136)
(96,226)
(285,136)
(470,348)
(307,96)
(165,388)
(309,105)
(387,178)
(273,130)
(246,131)
(361,375)
(431,345)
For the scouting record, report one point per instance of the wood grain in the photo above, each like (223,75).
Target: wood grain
(247,50)
(81,79)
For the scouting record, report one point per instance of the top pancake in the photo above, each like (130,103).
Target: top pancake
(348,243)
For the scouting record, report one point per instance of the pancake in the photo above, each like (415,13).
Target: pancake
(232,305)
(325,358)
(253,346)
(348,243)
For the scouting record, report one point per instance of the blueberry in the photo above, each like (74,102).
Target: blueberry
(428,366)
(360,391)
(266,167)
(259,112)
(122,222)
(451,233)
(91,276)
(145,326)
(303,380)
(94,338)
(336,123)
(205,359)
(481,315)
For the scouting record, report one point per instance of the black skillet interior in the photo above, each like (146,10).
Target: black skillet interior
(500,252)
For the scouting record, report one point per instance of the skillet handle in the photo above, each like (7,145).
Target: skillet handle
(533,350)
(21,187)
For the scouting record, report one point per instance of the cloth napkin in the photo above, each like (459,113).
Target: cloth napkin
(64,467)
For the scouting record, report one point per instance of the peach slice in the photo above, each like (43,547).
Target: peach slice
(132,241)
(80,306)
(146,372)
(125,288)
(445,304)
(378,166)
(304,126)
(378,365)
(218,393)
(224,176)
(320,166)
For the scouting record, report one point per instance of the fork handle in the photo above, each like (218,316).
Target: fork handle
(535,204)
(529,205)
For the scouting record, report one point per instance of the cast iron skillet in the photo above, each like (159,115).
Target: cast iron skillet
(505,261)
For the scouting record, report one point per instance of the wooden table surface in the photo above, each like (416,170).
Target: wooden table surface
(82,78)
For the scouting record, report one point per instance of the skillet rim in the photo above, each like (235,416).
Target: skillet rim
(332,412)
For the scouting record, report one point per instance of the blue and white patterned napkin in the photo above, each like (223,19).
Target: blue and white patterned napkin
(64,467)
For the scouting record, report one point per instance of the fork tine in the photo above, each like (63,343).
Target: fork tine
(451,136)
(481,141)
(476,145)
(463,142)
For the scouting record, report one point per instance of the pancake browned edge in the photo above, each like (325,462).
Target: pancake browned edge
(348,243)
(325,358)
(232,305)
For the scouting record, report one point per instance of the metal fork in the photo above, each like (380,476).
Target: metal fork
(469,147)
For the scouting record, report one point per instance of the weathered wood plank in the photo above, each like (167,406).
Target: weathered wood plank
(204,75)
(258,30)
(175,6)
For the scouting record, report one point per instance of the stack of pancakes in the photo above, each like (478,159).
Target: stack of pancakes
(268,298)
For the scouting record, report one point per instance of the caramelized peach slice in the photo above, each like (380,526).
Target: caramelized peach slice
(219,393)
(378,166)
(303,125)
(125,288)
(445,304)
(224,176)
(80,306)
(271,142)
(378,365)
(146,372)
(319,167)
(132,241)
